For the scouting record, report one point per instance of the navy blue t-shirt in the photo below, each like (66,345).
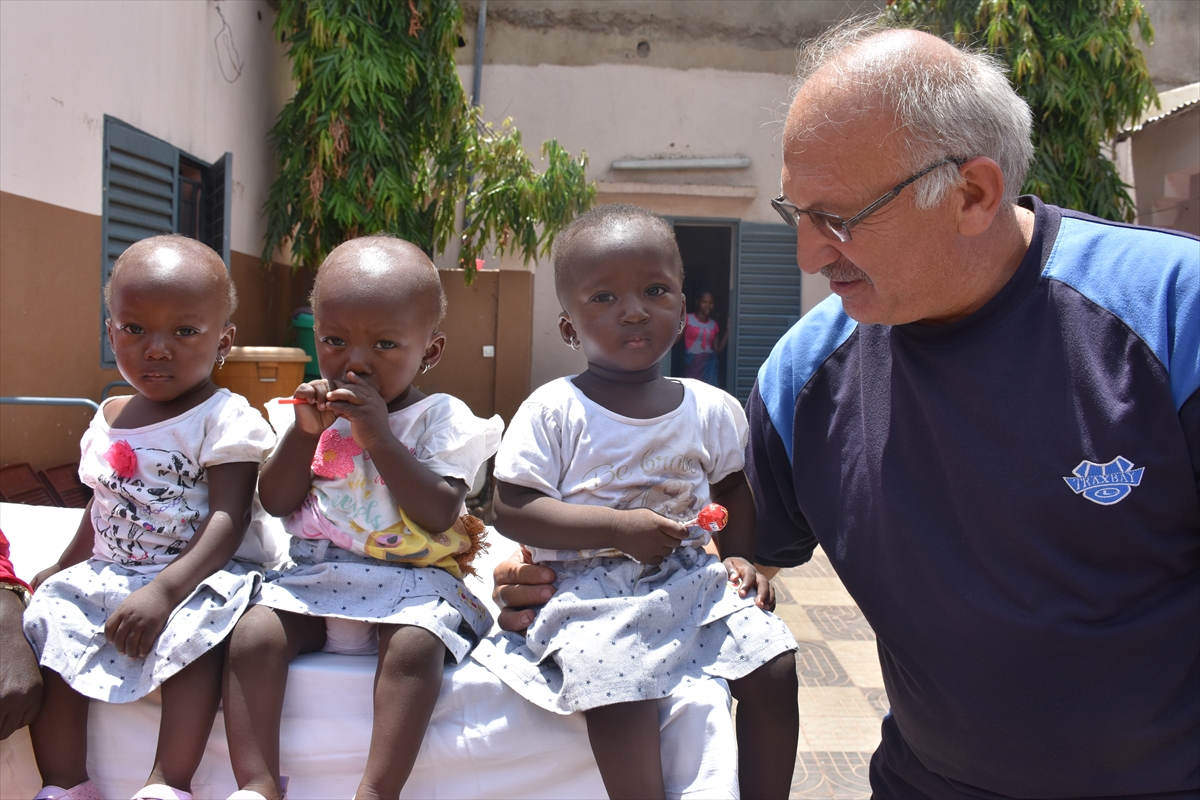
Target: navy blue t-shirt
(1013,500)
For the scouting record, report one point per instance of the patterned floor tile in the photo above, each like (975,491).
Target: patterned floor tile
(836,775)
(817,591)
(879,700)
(817,567)
(798,622)
(816,665)
(860,659)
(840,622)
(837,719)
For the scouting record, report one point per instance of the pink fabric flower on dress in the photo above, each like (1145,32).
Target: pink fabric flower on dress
(335,456)
(122,459)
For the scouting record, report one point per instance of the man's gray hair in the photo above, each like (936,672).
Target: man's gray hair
(957,107)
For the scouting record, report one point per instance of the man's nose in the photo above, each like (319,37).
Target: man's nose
(814,250)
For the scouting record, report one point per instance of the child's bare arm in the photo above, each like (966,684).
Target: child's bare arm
(531,517)
(80,549)
(287,475)
(430,500)
(138,621)
(735,542)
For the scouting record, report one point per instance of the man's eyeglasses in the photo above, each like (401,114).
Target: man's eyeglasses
(835,227)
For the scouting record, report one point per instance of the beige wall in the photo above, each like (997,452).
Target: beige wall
(617,111)
(1168,147)
(152,64)
(50,322)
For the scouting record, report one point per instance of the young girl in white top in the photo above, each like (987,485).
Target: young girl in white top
(146,593)
(598,475)
(370,476)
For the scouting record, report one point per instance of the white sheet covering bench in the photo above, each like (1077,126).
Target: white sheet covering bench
(483,741)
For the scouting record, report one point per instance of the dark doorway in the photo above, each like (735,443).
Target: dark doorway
(707,251)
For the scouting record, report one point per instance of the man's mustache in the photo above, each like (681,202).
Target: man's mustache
(843,271)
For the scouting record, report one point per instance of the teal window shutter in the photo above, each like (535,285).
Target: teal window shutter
(138,199)
(768,297)
(142,198)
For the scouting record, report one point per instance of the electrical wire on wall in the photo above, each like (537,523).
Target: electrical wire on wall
(228,58)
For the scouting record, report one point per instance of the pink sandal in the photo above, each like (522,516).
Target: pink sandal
(84,791)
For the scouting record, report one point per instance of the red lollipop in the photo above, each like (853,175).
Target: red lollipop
(712,518)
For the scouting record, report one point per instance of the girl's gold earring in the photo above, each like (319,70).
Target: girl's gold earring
(425,368)
(573,343)
(682,325)
(220,362)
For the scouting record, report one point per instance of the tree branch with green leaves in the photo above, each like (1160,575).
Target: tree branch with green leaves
(380,138)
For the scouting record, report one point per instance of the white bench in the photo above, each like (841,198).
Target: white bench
(483,741)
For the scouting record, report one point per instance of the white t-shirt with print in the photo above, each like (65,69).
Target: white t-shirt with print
(569,448)
(151,482)
(440,430)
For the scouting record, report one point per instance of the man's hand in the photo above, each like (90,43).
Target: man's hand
(520,587)
(20,677)
(746,578)
(137,622)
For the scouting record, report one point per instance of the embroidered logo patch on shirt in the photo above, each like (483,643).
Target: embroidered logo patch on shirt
(1105,483)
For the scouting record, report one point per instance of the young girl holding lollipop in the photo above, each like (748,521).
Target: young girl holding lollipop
(370,475)
(146,593)
(599,474)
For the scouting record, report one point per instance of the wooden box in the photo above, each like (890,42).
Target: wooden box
(260,373)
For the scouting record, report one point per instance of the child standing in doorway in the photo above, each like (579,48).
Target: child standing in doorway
(597,476)
(703,342)
(146,593)
(370,477)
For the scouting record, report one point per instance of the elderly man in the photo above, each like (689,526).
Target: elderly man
(993,430)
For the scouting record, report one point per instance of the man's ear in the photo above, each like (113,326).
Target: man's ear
(433,353)
(566,329)
(979,196)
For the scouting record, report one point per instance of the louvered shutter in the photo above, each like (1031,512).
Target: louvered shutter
(218,188)
(768,297)
(138,201)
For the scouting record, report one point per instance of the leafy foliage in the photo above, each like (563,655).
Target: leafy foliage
(380,137)
(1076,64)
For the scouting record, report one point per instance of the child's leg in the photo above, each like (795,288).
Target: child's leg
(768,726)
(407,682)
(189,706)
(262,645)
(625,742)
(59,734)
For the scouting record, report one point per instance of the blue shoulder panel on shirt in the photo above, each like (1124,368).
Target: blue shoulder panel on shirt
(796,357)
(1149,279)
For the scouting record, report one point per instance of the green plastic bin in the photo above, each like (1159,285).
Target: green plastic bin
(303,325)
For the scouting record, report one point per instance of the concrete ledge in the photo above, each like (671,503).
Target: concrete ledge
(677,189)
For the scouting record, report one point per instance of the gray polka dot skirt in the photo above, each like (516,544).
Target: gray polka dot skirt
(327,581)
(618,631)
(65,624)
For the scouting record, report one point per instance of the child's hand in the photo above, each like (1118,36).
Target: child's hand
(646,536)
(746,578)
(364,407)
(315,415)
(137,622)
(42,576)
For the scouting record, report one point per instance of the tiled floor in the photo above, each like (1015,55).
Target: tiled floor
(842,700)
